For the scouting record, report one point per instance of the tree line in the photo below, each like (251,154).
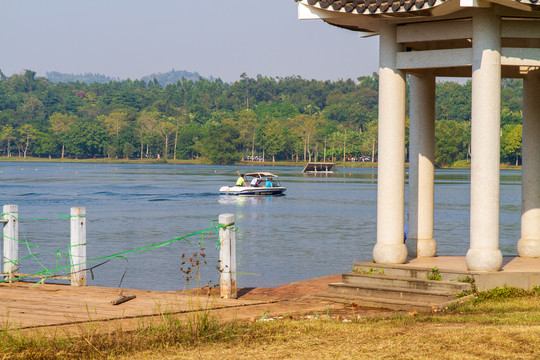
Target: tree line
(288,118)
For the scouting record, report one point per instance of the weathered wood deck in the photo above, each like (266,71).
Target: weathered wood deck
(25,305)
(28,306)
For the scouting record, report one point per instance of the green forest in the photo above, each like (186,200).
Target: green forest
(261,118)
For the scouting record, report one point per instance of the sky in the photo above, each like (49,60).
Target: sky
(134,38)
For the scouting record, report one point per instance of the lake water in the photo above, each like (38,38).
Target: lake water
(320,227)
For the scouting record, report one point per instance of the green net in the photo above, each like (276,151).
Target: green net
(64,255)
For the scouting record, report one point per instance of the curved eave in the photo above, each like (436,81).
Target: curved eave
(364,15)
(365,7)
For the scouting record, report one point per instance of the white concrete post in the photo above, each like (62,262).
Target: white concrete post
(529,243)
(11,240)
(484,253)
(390,247)
(78,246)
(421,166)
(227,257)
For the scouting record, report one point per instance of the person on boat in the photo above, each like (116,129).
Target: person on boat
(268,183)
(406,230)
(240,181)
(254,182)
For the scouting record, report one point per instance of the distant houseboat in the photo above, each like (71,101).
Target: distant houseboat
(319,168)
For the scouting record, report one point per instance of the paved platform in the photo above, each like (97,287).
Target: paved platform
(511,264)
(516,271)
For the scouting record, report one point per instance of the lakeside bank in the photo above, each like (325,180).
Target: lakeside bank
(201,161)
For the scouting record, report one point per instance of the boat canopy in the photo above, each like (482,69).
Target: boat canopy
(261,174)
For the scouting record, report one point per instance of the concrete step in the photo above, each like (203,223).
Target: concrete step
(378,287)
(394,293)
(406,271)
(396,286)
(376,303)
(390,304)
(405,282)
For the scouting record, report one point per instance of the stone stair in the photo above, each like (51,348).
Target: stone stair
(397,287)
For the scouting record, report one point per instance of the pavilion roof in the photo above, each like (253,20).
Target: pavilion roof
(374,6)
(364,15)
(365,7)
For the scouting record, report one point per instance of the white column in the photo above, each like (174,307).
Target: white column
(78,246)
(529,243)
(421,166)
(11,240)
(484,253)
(390,247)
(227,257)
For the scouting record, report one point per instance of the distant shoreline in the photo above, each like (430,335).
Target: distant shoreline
(339,164)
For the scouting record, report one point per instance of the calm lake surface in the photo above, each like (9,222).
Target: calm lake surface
(320,227)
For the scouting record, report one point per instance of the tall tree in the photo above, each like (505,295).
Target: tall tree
(8,135)
(60,125)
(86,139)
(511,142)
(166,130)
(247,126)
(26,134)
(305,126)
(452,140)
(147,122)
(369,136)
(128,150)
(32,110)
(221,146)
(115,122)
(274,139)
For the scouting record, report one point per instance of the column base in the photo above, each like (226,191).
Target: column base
(484,259)
(529,248)
(426,248)
(390,253)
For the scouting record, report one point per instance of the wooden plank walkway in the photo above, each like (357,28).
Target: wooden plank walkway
(28,306)
(25,305)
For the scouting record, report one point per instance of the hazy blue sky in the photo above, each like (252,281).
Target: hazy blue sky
(133,38)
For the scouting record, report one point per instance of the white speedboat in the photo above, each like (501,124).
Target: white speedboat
(263,181)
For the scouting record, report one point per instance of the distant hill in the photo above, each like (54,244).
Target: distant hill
(170,77)
(173,76)
(57,77)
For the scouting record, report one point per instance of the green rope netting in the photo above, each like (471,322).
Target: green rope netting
(62,217)
(67,257)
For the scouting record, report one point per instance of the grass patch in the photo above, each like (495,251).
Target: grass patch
(505,299)
(92,341)
(370,271)
(434,274)
(396,337)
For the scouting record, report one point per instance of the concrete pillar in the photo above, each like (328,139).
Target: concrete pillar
(421,166)
(390,247)
(78,246)
(529,243)
(227,257)
(11,240)
(484,253)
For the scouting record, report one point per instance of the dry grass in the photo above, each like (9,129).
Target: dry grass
(384,339)
(491,329)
